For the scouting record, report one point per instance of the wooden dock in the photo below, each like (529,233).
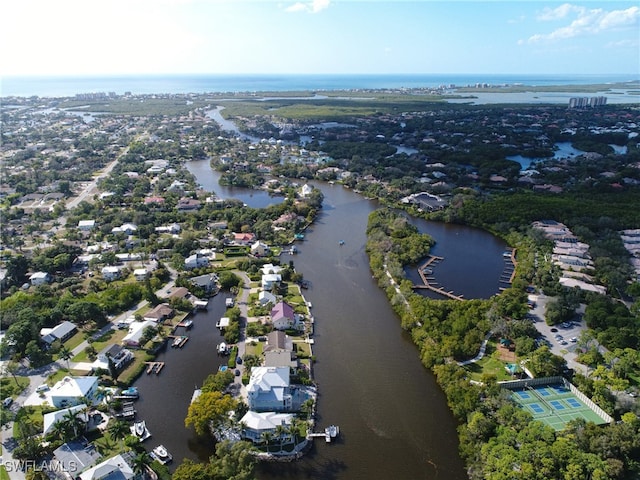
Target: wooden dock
(427,280)
(154,367)
(179,340)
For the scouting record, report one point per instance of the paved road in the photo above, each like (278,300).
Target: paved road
(39,376)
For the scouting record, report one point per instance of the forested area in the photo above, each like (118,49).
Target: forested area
(499,440)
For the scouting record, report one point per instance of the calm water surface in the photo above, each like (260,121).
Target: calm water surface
(393,417)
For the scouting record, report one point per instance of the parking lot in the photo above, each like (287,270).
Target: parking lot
(562,345)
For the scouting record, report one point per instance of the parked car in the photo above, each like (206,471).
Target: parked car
(6,403)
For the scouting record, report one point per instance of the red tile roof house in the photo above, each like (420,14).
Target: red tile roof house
(244,238)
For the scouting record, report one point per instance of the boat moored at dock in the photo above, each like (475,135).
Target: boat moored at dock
(161,454)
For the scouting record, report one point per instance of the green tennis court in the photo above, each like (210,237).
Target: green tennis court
(554,404)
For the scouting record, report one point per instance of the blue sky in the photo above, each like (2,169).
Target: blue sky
(92,37)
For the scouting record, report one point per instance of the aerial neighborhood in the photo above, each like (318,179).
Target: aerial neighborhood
(113,253)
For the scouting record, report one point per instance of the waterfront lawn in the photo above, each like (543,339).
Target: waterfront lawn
(135,368)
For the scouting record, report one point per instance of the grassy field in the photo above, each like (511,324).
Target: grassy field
(490,364)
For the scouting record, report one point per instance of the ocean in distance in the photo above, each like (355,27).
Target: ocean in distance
(67,86)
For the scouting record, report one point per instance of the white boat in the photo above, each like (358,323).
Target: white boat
(140,430)
(331,432)
(161,454)
(222,349)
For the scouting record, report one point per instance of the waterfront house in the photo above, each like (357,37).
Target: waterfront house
(73,390)
(260,249)
(265,297)
(160,313)
(268,268)
(119,355)
(208,282)
(132,338)
(52,418)
(282,316)
(269,280)
(306,190)
(256,424)
(268,390)
(114,468)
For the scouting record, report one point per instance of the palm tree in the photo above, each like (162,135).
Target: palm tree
(72,422)
(12,367)
(279,432)
(140,462)
(118,430)
(267,436)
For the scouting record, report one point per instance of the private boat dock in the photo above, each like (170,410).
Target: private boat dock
(429,282)
(179,340)
(509,272)
(154,367)
(330,433)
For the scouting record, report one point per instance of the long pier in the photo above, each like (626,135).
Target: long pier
(424,270)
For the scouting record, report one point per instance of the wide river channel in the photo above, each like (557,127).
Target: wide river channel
(393,417)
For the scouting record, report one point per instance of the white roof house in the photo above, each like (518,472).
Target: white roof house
(61,332)
(39,278)
(72,390)
(268,268)
(255,423)
(86,224)
(116,468)
(265,297)
(128,228)
(270,279)
(51,418)
(268,389)
(306,190)
(135,332)
(110,272)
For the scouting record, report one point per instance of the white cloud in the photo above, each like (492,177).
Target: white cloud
(587,22)
(559,12)
(314,6)
(624,44)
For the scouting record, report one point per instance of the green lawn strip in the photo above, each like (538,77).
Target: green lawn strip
(112,336)
(3,473)
(74,341)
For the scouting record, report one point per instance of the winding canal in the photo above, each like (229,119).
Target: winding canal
(393,417)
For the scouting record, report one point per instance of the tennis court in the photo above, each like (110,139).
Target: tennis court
(555,405)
